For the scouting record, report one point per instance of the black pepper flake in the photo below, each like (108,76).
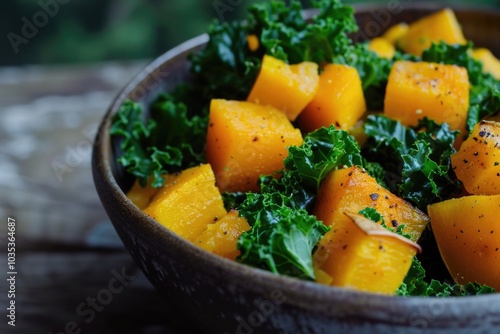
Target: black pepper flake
(461,231)
(394,223)
(466,161)
(496,163)
(344,247)
(255,139)
(482,133)
(374,197)
(476,154)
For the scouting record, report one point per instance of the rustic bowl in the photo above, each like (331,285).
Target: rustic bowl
(222,296)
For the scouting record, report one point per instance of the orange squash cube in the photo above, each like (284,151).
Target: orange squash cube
(467,233)
(141,196)
(353,258)
(222,236)
(437,27)
(382,47)
(477,162)
(246,140)
(288,88)
(491,64)
(187,202)
(395,32)
(419,89)
(338,101)
(352,190)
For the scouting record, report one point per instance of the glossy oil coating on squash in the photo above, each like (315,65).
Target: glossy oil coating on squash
(437,27)
(288,88)
(467,231)
(352,190)
(419,89)
(354,258)
(187,202)
(222,236)
(477,162)
(246,140)
(338,101)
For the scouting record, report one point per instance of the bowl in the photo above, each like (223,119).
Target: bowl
(222,296)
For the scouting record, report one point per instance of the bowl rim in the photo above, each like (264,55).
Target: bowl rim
(301,292)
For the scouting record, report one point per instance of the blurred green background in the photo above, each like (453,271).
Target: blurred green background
(80,31)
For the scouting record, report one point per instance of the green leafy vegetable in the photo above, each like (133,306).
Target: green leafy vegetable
(323,150)
(415,284)
(416,160)
(281,239)
(146,146)
(286,35)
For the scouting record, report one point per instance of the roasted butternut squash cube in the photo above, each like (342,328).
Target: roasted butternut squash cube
(419,89)
(338,101)
(246,140)
(477,162)
(382,47)
(352,190)
(141,196)
(357,259)
(434,28)
(491,64)
(187,202)
(396,32)
(288,88)
(467,233)
(222,236)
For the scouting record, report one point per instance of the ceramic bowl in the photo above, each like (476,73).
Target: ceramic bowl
(222,296)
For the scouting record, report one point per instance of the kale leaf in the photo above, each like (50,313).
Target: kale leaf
(286,35)
(415,284)
(416,160)
(150,148)
(282,239)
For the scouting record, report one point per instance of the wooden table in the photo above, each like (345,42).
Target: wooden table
(67,252)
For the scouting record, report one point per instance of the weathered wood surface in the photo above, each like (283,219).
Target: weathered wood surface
(66,248)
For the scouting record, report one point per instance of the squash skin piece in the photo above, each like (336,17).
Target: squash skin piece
(187,202)
(371,263)
(288,88)
(491,64)
(382,47)
(246,140)
(439,26)
(477,162)
(352,190)
(142,196)
(338,101)
(396,32)
(467,232)
(222,236)
(419,89)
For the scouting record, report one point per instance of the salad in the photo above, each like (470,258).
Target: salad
(370,166)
